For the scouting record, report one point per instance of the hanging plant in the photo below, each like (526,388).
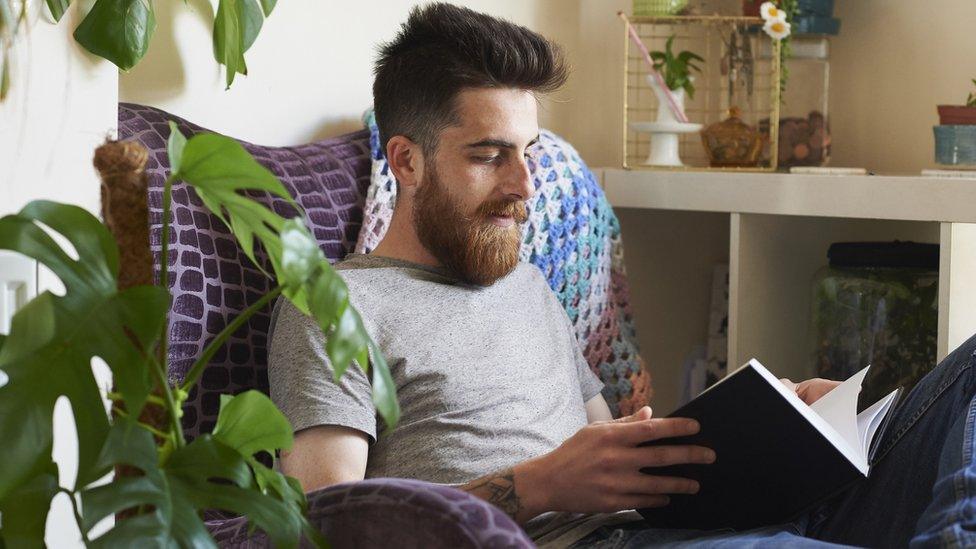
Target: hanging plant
(120,31)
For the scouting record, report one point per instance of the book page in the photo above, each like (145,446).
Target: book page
(871,418)
(839,409)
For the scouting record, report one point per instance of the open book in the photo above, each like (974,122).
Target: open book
(776,456)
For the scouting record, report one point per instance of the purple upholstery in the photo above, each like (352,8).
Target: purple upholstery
(394,513)
(211,280)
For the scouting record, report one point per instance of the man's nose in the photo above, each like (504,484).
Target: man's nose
(519,182)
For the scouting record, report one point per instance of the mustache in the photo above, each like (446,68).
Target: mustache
(515,209)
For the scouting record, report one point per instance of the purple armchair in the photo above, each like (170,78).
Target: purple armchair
(212,281)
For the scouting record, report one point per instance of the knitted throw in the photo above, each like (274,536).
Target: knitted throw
(573,237)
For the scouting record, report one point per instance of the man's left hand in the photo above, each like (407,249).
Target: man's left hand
(811,390)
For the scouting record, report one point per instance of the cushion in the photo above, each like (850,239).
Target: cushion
(211,280)
(573,237)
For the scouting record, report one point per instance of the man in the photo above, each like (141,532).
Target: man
(496,396)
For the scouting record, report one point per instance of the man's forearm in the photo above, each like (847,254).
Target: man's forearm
(516,490)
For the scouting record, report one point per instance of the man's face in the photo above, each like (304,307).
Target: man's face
(470,203)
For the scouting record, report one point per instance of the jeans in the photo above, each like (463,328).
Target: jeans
(921,490)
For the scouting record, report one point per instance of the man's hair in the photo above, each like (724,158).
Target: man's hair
(443,49)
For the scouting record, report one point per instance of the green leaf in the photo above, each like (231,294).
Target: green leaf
(251,20)
(57,7)
(267,6)
(384,390)
(174,147)
(53,339)
(118,30)
(25,511)
(4,73)
(236,26)
(250,423)
(300,254)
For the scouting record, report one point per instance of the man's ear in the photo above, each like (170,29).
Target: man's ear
(405,160)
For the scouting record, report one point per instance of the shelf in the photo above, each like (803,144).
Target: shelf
(773,230)
(904,198)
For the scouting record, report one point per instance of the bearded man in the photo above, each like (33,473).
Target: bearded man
(496,396)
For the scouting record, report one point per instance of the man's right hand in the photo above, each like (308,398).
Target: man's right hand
(598,468)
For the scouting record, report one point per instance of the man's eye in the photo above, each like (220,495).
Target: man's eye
(488,159)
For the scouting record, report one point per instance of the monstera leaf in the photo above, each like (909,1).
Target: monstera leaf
(219,168)
(216,471)
(53,340)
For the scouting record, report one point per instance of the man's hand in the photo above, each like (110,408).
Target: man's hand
(811,390)
(598,469)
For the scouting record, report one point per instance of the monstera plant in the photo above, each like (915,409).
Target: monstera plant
(120,31)
(162,482)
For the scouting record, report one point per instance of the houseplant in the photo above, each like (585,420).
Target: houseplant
(120,31)
(670,78)
(676,69)
(53,339)
(959,115)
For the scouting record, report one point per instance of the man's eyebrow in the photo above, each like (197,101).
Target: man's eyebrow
(499,143)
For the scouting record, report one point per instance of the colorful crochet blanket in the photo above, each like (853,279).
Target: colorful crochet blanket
(573,237)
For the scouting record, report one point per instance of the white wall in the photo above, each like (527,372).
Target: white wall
(310,70)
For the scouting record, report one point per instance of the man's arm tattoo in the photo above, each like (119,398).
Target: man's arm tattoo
(498,489)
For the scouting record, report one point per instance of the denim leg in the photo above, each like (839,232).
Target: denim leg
(637,536)
(883,510)
(950,519)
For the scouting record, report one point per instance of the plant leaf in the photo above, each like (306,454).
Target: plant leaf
(218,168)
(267,6)
(236,26)
(118,30)
(174,147)
(53,339)
(57,7)
(250,423)
(25,511)
(251,20)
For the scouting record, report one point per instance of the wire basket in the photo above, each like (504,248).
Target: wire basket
(734,74)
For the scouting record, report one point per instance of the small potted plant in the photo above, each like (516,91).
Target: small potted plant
(670,78)
(676,70)
(959,115)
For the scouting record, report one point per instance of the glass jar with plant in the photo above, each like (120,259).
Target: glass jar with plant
(167,481)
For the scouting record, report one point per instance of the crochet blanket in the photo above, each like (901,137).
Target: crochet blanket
(573,237)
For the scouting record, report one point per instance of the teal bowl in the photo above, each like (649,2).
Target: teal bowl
(955,145)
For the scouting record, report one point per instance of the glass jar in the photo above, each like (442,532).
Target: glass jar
(876,303)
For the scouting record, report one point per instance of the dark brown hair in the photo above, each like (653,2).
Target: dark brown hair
(443,49)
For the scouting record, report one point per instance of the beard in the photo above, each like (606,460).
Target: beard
(475,249)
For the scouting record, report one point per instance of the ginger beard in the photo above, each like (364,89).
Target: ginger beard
(471,245)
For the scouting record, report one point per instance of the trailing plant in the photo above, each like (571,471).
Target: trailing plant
(676,69)
(53,339)
(120,31)
(971,100)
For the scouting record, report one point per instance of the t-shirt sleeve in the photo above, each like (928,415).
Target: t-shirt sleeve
(590,384)
(301,377)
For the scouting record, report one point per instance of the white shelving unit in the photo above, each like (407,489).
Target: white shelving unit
(774,231)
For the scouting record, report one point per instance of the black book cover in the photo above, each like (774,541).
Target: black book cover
(771,462)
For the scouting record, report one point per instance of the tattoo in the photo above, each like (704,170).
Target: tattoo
(499,490)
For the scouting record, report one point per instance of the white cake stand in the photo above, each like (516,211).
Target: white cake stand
(664,140)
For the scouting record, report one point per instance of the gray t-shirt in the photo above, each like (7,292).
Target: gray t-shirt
(486,377)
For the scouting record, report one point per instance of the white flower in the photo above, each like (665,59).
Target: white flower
(770,12)
(777,29)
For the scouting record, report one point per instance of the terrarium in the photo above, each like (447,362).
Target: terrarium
(876,304)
